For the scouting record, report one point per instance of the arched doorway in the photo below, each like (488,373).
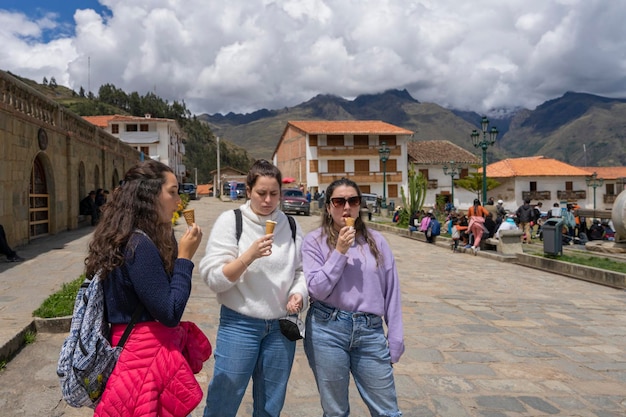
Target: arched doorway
(39,201)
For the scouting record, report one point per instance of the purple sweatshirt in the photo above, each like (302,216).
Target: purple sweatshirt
(353,282)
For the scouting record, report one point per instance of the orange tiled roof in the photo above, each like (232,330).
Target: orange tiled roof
(357,127)
(608,173)
(439,152)
(532,166)
(100,121)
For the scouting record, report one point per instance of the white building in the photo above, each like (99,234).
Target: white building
(156,138)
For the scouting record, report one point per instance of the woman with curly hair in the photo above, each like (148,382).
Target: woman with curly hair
(135,253)
(353,286)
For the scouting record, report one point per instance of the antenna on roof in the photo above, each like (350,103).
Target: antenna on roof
(585,153)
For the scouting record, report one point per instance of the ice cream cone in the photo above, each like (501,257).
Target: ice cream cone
(190,216)
(269,226)
(350,221)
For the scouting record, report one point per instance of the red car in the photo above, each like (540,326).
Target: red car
(294,201)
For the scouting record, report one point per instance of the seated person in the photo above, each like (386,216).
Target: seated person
(490,224)
(414,221)
(596,231)
(508,224)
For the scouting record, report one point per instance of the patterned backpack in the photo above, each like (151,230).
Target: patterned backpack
(87,358)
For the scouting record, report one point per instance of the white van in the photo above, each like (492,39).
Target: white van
(371,200)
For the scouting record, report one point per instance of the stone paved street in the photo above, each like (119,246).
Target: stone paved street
(484,338)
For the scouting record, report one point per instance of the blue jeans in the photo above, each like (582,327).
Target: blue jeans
(338,343)
(249,347)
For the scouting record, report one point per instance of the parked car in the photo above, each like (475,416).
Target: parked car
(294,201)
(190,189)
(370,201)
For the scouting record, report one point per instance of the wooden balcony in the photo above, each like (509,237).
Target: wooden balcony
(536,195)
(433,184)
(354,151)
(571,195)
(609,198)
(360,177)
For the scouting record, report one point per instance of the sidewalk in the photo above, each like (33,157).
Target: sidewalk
(483,338)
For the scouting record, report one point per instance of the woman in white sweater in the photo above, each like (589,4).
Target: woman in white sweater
(258,279)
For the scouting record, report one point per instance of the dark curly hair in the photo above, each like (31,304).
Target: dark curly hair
(133,205)
(359,225)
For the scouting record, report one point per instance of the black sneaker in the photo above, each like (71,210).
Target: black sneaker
(16,258)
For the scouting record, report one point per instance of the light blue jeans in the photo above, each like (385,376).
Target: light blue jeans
(338,343)
(249,347)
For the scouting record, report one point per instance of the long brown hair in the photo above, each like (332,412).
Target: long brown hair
(327,220)
(133,205)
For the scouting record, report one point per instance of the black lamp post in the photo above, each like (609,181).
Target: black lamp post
(452,170)
(484,144)
(594,182)
(384,157)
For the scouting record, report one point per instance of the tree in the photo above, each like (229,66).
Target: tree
(53,82)
(417,186)
(474,183)
(45,81)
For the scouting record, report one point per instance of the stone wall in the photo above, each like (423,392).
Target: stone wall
(75,155)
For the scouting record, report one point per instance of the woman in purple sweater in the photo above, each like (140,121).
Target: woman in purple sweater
(353,284)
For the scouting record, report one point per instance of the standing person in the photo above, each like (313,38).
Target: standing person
(500,212)
(6,250)
(477,214)
(134,250)
(353,282)
(525,215)
(258,280)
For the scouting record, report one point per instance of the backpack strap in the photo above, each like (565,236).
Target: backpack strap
(133,319)
(239,222)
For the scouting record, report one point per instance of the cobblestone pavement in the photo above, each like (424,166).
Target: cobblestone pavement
(484,338)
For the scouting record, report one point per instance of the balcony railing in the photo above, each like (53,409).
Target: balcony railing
(432,184)
(571,195)
(360,177)
(536,195)
(609,198)
(352,151)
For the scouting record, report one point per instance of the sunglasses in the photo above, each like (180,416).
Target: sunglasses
(340,201)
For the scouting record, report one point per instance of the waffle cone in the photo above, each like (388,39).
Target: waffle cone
(350,221)
(190,216)
(269,226)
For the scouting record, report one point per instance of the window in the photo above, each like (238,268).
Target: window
(313,164)
(569,186)
(610,189)
(361,140)
(312,140)
(131,128)
(115,128)
(336,166)
(365,189)
(145,150)
(392,165)
(393,190)
(533,186)
(464,173)
(362,165)
(335,140)
(424,173)
(143,127)
(390,140)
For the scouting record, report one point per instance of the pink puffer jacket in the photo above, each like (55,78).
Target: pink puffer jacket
(155,373)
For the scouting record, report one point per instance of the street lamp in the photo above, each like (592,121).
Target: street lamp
(484,144)
(384,157)
(452,171)
(594,182)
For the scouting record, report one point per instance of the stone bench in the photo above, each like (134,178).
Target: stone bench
(510,242)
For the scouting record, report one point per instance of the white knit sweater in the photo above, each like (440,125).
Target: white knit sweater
(263,289)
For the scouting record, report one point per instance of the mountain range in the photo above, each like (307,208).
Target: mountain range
(578,128)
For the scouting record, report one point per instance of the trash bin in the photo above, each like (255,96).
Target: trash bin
(552,231)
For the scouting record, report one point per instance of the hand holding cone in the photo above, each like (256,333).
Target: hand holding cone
(269,226)
(190,216)
(350,221)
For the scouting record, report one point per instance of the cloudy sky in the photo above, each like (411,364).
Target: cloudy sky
(243,55)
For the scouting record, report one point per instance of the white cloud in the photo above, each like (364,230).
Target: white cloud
(243,55)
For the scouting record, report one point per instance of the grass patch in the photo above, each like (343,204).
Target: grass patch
(30,337)
(61,303)
(593,261)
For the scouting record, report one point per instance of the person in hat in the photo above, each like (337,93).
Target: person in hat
(354,286)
